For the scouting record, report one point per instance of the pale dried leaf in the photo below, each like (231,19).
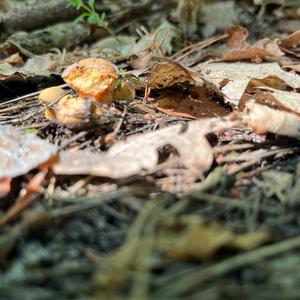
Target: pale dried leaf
(39,65)
(140,153)
(232,79)
(262,118)
(286,100)
(21,152)
(295,67)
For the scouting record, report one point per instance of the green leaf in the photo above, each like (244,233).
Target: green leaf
(118,83)
(31,130)
(81,17)
(93,19)
(76,3)
(92,4)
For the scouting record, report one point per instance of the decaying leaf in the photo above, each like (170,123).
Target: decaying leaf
(183,93)
(198,104)
(168,73)
(21,152)
(194,238)
(38,65)
(232,79)
(256,53)
(295,67)
(140,153)
(276,183)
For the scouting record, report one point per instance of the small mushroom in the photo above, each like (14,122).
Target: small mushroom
(77,112)
(94,78)
(125,91)
(51,94)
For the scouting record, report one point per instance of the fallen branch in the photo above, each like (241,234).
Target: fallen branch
(42,14)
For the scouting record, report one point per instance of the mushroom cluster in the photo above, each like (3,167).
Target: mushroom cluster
(96,82)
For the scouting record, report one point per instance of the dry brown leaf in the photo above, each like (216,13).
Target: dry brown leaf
(232,79)
(291,41)
(140,153)
(237,37)
(21,152)
(197,100)
(291,44)
(256,53)
(168,73)
(195,106)
(280,100)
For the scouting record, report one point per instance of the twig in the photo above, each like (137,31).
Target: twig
(27,96)
(201,196)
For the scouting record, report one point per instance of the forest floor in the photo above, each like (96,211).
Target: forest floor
(179,180)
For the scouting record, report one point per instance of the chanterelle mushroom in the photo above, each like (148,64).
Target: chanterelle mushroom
(77,112)
(51,95)
(94,78)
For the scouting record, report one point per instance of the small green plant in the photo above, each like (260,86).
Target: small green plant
(89,13)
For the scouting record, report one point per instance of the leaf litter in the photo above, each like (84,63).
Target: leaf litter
(179,186)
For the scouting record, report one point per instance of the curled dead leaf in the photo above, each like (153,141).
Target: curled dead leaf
(291,41)
(168,73)
(291,44)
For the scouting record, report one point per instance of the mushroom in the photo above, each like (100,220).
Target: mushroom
(125,91)
(51,95)
(77,112)
(94,78)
